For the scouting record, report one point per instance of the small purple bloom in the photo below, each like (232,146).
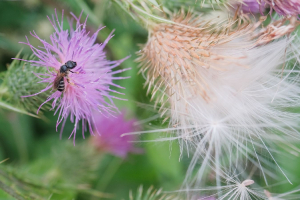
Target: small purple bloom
(252,6)
(284,7)
(87,87)
(109,134)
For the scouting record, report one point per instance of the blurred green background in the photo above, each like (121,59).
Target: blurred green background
(40,165)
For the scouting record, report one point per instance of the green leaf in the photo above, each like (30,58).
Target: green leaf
(13,108)
(164,157)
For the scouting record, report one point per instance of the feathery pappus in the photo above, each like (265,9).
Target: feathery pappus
(225,88)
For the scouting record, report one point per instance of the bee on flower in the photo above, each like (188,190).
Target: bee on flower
(78,73)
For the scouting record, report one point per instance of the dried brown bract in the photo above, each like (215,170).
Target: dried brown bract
(178,55)
(276,30)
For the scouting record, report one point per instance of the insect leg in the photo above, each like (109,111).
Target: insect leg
(74,72)
(68,80)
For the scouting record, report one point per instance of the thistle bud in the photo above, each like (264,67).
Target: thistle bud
(20,81)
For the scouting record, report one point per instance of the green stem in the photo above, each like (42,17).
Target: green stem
(2,161)
(20,140)
(15,109)
(126,10)
(108,174)
(10,191)
(88,11)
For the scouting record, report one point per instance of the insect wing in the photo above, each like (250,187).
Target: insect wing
(57,80)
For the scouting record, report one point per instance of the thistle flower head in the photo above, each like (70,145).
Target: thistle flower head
(224,95)
(175,52)
(284,7)
(252,6)
(87,85)
(18,81)
(109,137)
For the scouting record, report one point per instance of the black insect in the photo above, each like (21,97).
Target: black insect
(59,83)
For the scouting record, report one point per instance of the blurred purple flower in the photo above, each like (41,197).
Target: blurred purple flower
(252,6)
(88,86)
(284,7)
(109,134)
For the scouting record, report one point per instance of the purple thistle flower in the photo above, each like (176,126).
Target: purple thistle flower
(109,137)
(86,89)
(252,6)
(284,7)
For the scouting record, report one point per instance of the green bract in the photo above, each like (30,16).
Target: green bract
(19,81)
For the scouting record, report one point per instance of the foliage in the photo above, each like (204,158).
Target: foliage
(42,165)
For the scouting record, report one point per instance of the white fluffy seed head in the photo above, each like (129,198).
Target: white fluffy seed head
(247,182)
(179,55)
(232,188)
(224,95)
